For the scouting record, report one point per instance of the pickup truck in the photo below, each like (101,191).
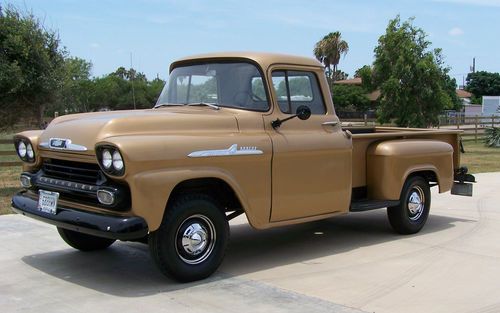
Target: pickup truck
(231,134)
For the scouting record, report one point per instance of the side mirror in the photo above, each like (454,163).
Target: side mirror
(303,112)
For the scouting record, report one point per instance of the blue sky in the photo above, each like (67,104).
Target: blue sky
(157,32)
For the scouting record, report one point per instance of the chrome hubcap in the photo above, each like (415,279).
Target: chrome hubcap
(416,203)
(195,239)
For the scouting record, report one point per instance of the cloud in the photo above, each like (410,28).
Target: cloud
(483,3)
(95,45)
(455,31)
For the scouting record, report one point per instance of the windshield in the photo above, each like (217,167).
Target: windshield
(235,85)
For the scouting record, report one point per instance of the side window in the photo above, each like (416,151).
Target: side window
(295,88)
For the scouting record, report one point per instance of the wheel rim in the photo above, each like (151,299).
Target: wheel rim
(416,203)
(195,239)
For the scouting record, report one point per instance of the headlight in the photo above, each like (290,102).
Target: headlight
(21,149)
(107,159)
(110,160)
(117,161)
(29,151)
(25,150)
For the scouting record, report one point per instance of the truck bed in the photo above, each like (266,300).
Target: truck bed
(363,137)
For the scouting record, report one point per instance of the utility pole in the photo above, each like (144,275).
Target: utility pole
(132,79)
(473,67)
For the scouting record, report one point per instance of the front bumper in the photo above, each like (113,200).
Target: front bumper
(107,226)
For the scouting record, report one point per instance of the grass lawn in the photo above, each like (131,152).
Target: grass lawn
(477,157)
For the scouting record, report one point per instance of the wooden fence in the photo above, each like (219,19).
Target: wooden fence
(9,152)
(473,127)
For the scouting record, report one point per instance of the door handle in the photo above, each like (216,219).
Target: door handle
(331,123)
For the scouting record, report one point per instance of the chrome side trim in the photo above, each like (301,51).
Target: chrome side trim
(233,150)
(332,123)
(67,146)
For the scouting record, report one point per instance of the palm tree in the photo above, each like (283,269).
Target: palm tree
(329,50)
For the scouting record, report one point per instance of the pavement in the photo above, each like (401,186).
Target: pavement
(353,263)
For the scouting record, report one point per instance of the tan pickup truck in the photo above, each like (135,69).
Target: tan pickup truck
(232,133)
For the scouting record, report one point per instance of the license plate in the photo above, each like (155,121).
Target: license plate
(47,202)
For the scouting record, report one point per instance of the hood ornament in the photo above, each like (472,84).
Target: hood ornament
(62,144)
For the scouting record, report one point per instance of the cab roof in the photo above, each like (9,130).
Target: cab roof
(264,59)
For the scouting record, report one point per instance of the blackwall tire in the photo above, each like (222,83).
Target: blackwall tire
(84,242)
(191,242)
(415,201)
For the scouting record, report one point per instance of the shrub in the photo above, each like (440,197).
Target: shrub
(493,137)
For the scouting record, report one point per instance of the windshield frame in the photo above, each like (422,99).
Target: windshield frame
(224,60)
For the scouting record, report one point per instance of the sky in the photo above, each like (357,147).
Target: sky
(157,32)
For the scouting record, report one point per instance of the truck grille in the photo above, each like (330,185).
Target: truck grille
(73,171)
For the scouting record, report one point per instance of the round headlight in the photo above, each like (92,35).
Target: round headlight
(29,151)
(21,149)
(107,159)
(117,161)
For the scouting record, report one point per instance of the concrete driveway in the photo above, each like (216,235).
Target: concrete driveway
(353,263)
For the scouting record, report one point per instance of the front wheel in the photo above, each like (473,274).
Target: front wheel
(414,204)
(84,242)
(192,239)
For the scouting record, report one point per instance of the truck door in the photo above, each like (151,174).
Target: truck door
(311,164)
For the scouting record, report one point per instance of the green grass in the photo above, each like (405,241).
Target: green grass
(477,157)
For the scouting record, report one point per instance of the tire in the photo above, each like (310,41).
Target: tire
(84,242)
(191,241)
(411,214)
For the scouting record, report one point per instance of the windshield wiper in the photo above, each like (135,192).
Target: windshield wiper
(165,105)
(213,106)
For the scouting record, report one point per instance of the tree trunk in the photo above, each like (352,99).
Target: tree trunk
(39,115)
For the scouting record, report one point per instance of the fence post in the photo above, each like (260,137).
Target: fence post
(475,128)
(457,120)
(366,119)
(493,121)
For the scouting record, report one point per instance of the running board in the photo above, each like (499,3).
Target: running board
(366,205)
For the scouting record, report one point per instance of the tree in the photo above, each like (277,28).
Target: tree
(76,88)
(31,66)
(414,84)
(483,84)
(350,98)
(328,51)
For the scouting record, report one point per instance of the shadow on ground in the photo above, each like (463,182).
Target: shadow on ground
(126,269)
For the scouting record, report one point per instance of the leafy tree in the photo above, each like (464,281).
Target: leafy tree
(366,75)
(340,75)
(483,84)
(31,66)
(77,87)
(114,91)
(414,84)
(360,71)
(350,98)
(329,50)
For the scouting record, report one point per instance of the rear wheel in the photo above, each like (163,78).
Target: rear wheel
(411,214)
(84,242)
(192,239)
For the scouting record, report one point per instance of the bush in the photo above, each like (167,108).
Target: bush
(493,137)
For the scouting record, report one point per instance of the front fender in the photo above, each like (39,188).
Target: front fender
(152,190)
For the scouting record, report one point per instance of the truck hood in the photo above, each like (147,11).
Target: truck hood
(87,129)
